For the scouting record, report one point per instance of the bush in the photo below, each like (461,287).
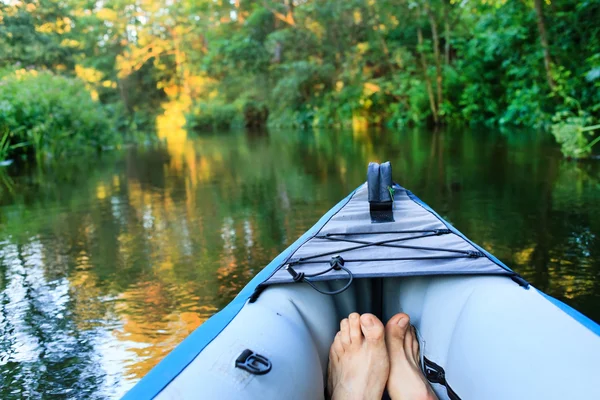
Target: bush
(45,114)
(213,116)
(574,134)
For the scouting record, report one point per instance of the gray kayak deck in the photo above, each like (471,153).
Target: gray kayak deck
(415,241)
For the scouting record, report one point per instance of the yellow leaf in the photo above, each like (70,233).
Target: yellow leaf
(314,27)
(101,191)
(107,14)
(70,43)
(362,47)
(45,28)
(89,75)
(370,88)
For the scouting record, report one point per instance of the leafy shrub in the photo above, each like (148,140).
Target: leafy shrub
(255,114)
(48,114)
(571,132)
(206,116)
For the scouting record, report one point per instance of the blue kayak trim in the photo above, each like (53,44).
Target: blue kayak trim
(420,202)
(176,361)
(573,313)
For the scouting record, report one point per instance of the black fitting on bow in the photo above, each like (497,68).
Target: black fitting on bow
(442,231)
(475,254)
(336,262)
(296,276)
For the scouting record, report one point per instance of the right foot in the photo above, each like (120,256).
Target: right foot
(406,381)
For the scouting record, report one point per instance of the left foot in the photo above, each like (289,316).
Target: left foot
(358,359)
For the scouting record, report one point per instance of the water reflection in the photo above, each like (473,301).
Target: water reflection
(106,265)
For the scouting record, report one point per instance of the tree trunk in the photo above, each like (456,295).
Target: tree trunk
(179,64)
(124,92)
(544,41)
(446,36)
(427,80)
(276,53)
(436,54)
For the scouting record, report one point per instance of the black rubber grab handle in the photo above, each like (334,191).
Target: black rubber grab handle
(380,186)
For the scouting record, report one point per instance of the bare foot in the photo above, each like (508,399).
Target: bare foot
(358,360)
(406,381)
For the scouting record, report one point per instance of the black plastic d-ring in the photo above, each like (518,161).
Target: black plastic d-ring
(253,363)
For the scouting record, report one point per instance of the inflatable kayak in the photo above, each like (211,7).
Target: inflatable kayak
(484,331)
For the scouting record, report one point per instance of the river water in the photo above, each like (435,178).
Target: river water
(107,264)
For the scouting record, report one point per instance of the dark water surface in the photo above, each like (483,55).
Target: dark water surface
(107,264)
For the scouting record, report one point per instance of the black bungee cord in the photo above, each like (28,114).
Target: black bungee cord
(336,263)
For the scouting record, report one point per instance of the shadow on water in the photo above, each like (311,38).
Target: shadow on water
(107,264)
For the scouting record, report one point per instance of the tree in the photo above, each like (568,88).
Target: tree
(539,12)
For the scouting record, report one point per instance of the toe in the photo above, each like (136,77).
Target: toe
(397,326)
(356,336)
(337,349)
(371,327)
(395,331)
(415,347)
(409,340)
(345,332)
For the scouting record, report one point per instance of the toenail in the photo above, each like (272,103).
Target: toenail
(402,322)
(366,322)
(353,316)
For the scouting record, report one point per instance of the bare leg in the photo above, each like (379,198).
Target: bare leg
(406,381)
(358,360)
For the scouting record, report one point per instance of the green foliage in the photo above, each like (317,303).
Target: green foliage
(321,62)
(300,84)
(26,37)
(569,135)
(49,114)
(213,116)
(318,71)
(573,134)
(501,69)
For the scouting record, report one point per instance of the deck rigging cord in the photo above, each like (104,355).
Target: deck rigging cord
(337,262)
